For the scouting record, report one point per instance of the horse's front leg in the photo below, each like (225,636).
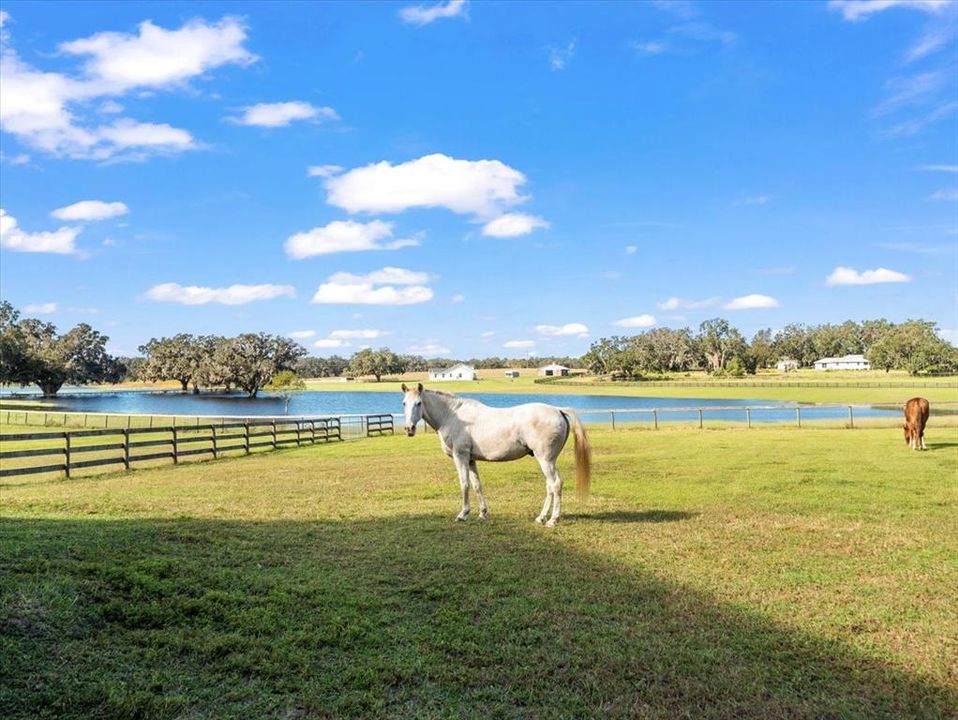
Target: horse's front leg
(477,486)
(462,468)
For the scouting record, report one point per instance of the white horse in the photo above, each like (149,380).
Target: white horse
(470,431)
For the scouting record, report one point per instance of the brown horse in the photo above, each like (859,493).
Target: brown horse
(916,415)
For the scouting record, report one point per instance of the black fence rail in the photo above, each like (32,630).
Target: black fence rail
(126,446)
(379,425)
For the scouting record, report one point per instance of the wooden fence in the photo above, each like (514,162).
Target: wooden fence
(124,446)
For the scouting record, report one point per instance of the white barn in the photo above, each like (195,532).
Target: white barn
(553,370)
(846,362)
(786,365)
(456,372)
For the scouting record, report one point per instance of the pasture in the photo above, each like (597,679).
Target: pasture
(729,573)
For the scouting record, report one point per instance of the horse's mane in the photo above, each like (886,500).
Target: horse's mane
(442,392)
(456,400)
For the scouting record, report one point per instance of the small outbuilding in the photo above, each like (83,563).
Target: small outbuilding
(786,365)
(456,372)
(553,370)
(511,373)
(846,362)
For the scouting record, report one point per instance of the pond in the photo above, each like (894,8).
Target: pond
(593,408)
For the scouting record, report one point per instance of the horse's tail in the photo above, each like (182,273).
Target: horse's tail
(583,455)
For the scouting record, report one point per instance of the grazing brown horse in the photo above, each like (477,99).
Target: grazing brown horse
(916,415)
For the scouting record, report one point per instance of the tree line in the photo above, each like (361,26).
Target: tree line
(721,349)
(33,352)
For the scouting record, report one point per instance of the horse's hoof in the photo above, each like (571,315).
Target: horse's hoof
(484,516)
(539,520)
(552,523)
(460,518)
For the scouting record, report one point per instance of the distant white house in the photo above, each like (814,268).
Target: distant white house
(553,370)
(456,372)
(511,373)
(848,362)
(786,365)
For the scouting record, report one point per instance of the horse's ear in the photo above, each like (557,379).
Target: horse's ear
(420,388)
(404,388)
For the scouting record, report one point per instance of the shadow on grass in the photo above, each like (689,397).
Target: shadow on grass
(410,617)
(631,516)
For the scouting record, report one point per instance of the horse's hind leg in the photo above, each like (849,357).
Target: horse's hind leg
(553,492)
(477,486)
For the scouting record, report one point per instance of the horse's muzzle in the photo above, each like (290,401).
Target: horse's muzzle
(410,430)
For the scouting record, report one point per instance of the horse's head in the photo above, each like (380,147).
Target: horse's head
(412,407)
(908,433)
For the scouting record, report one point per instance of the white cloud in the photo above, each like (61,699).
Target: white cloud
(519,343)
(376,288)
(940,168)
(302,334)
(854,10)
(631,249)
(232,295)
(577,329)
(560,57)
(19,159)
(356,334)
(650,47)
(488,334)
(753,200)
(637,321)
(935,37)
(751,302)
(40,308)
(423,15)
(60,241)
(850,276)
(674,303)
(323,171)
(778,270)
(330,343)
(90,210)
(513,225)
(457,298)
(948,194)
(51,111)
(429,349)
(910,90)
(345,236)
(482,187)
(282,114)
(157,57)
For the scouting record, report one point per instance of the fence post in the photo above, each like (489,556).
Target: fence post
(851,417)
(798,416)
(612,413)
(274,434)
(655,419)
(700,418)
(298,433)
(748,417)
(312,432)
(246,436)
(176,451)
(66,453)
(213,439)
(126,448)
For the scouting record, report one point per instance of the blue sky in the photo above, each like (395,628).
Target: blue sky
(473,179)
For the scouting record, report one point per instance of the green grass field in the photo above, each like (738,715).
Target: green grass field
(770,573)
(843,387)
